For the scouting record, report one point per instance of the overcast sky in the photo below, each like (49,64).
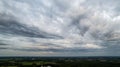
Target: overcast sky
(59,27)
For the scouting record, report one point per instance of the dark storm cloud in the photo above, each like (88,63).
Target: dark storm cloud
(77,23)
(3,43)
(2,48)
(13,27)
(55,50)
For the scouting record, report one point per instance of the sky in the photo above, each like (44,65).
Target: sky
(59,28)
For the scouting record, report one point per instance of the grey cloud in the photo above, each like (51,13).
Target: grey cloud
(61,25)
(54,50)
(10,26)
(77,23)
(3,43)
(2,48)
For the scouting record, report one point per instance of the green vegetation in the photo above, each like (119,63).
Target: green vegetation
(59,62)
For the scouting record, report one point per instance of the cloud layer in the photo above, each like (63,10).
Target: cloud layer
(59,27)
